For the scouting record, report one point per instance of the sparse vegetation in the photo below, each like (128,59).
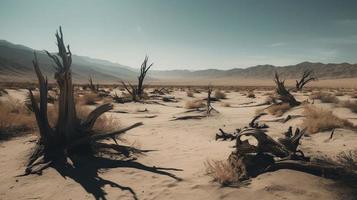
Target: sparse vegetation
(219,94)
(15,119)
(226,104)
(319,119)
(251,95)
(189,93)
(194,104)
(278,109)
(339,94)
(324,97)
(89,99)
(352,105)
(221,172)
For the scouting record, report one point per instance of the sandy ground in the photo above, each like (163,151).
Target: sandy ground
(237,81)
(185,145)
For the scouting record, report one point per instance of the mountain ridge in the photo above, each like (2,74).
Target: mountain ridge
(16,65)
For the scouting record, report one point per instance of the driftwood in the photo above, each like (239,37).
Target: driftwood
(188,117)
(307,76)
(255,124)
(283,94)
(225,136)
(70,135)
(270,155)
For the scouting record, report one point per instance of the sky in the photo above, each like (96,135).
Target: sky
(189,34)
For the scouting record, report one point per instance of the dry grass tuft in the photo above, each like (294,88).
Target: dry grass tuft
(324,97)
(226,104)
(251,95)
(221,172)
(189,93)
(348,159)
(278,109)
(352,105)
(339,94)
(15,119)
(219,94)
(319,119)
(89,99)
(194,104)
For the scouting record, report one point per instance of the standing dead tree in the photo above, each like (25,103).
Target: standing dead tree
(209,106)
(283,94)
(92,86)
(137,91)
(307,76)
(71,135)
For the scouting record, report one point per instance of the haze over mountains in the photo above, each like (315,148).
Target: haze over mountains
(16,65)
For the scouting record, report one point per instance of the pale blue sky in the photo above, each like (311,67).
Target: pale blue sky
(189,34)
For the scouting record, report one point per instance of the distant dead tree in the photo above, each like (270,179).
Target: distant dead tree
(209,98)
(92,86)
(307,76)
(283,94)
(137,91)
(71,135)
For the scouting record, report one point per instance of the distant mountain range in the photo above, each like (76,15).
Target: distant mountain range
(16,65)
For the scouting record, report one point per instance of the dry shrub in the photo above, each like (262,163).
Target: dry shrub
(271,99)
(89,99)
(221,172)
(339,93)
(219,94)
(278,109)
(352,105)
(324,97)
(104,123)
(354,95)
(319,119)
(15,119)
(251,95)
(194,104)
(189,93)
(348,159)
(226,104)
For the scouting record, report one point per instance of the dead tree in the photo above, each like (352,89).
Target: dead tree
(71,135)
(307,76)
(268,155)
(283,94)
(209,106)
(137,91)
(92,86)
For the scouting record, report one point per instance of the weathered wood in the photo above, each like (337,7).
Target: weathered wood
(137,91)
(283,94)
(52,146)
(307,77)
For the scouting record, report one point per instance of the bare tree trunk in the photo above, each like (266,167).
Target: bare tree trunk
(54,143)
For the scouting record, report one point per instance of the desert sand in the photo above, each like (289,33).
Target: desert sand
(184,145)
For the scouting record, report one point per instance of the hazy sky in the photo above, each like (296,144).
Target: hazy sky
(189,34)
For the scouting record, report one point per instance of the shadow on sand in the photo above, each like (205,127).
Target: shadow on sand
(85,172)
